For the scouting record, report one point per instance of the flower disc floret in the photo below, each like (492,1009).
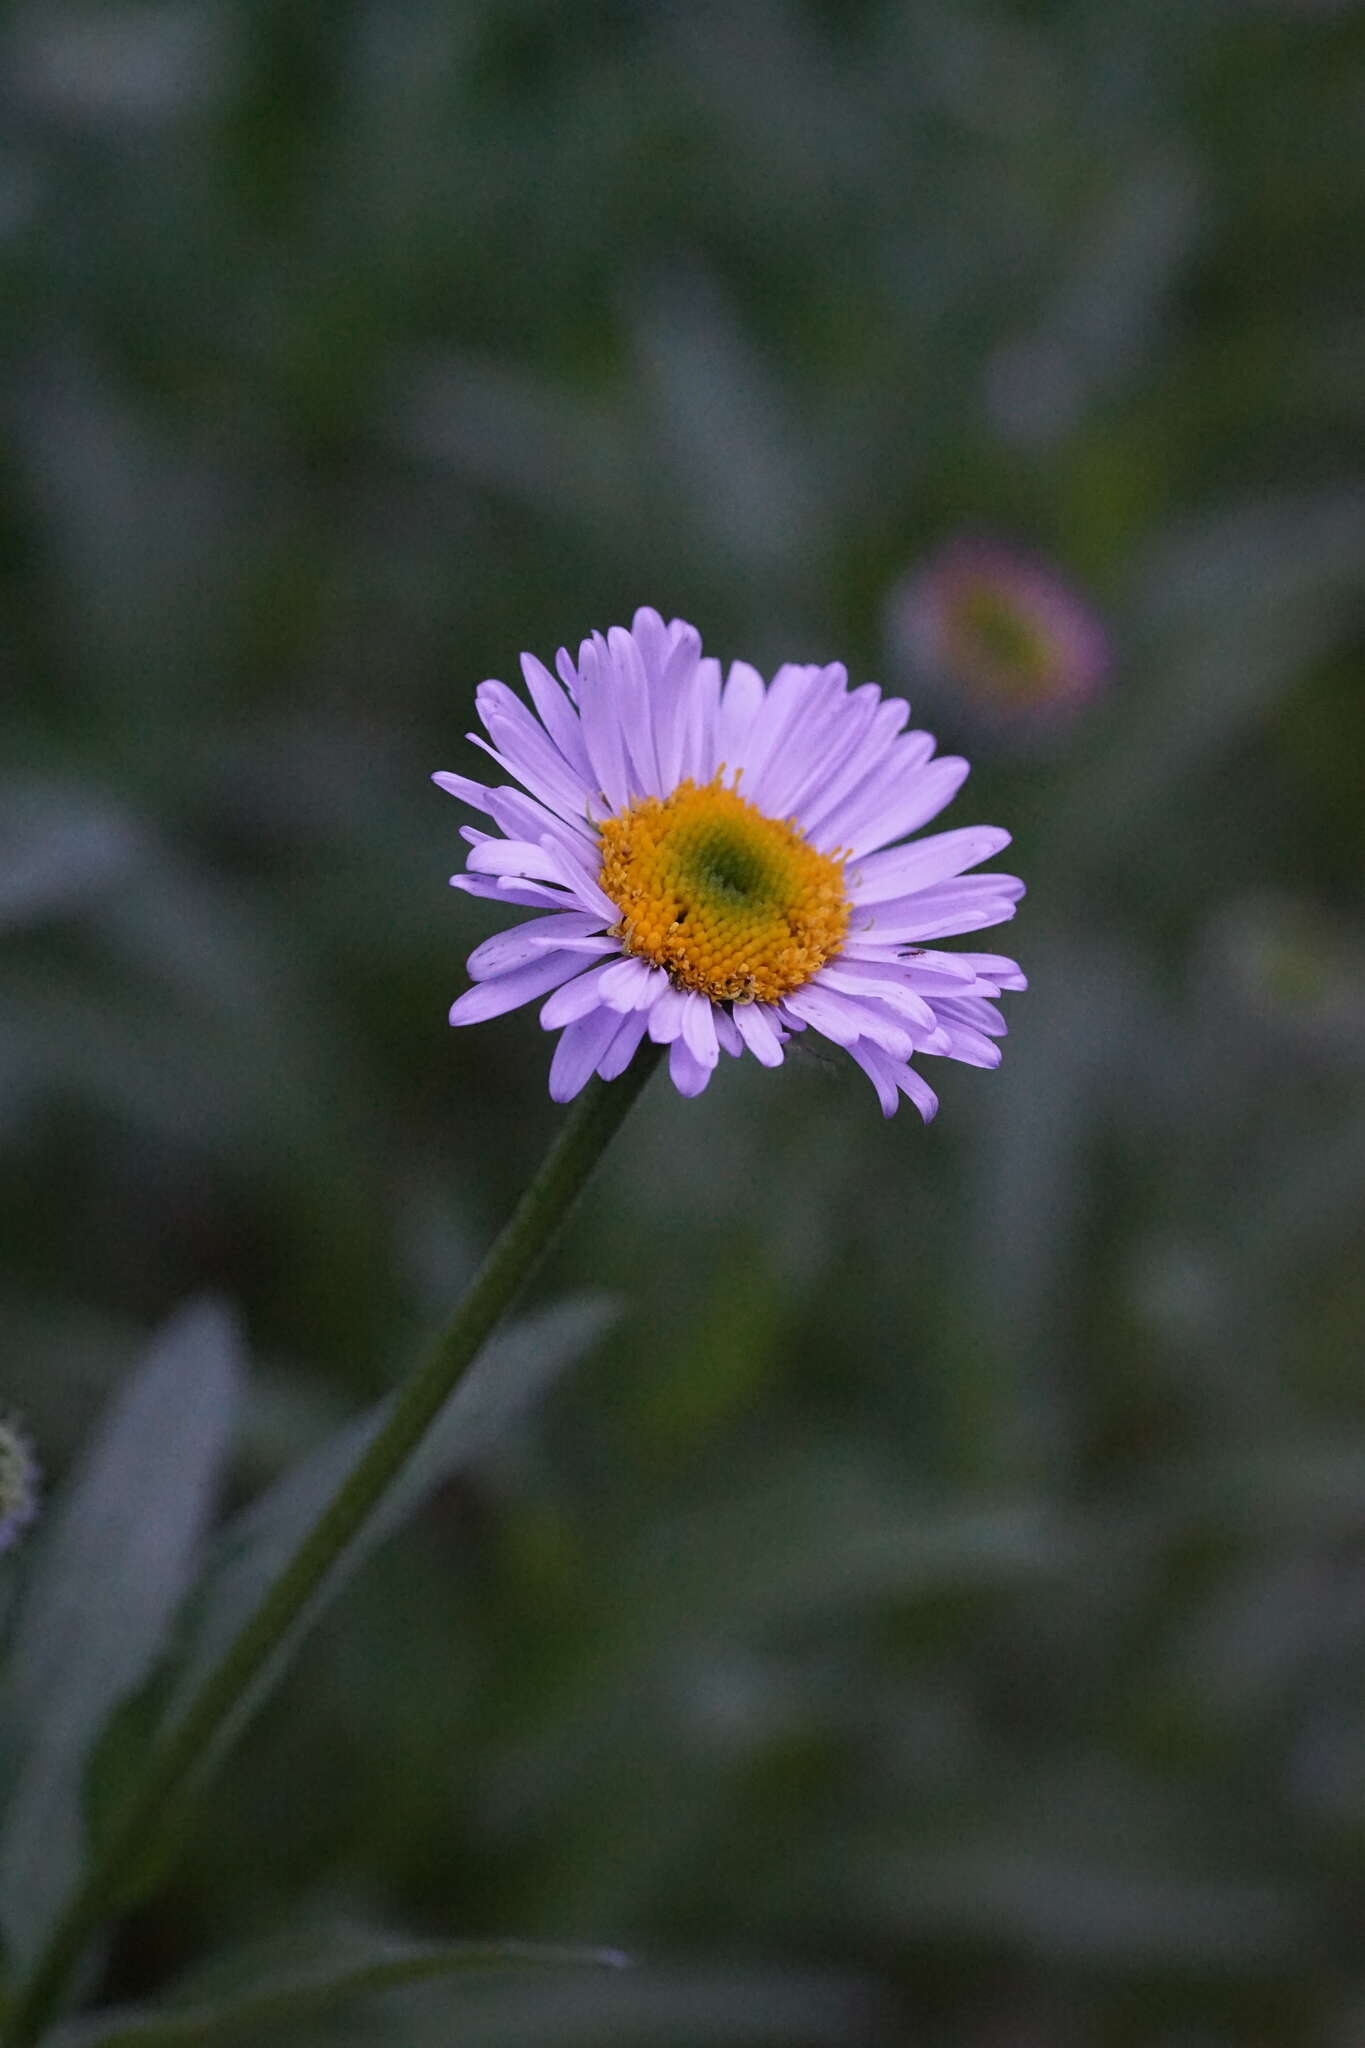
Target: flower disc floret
(730,904)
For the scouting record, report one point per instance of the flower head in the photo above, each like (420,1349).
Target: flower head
(18,1483)
(714,864)
(1011,637)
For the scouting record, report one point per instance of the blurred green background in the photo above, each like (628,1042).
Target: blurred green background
(936,1611)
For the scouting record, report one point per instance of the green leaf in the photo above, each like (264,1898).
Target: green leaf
(107,1577)
(813,1537)
(721,2007)
(285,1992)
(511,1371)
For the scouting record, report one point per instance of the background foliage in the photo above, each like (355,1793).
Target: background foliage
(936,1610)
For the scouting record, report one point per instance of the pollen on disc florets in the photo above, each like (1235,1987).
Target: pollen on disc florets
(731,904)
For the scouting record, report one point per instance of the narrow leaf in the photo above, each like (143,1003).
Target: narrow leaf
(108,1574)
(372,1963)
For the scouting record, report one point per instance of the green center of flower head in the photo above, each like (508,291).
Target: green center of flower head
(722,860)
(731,904)
(997,637)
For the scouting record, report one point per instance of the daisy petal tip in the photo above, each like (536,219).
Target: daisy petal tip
(565,1087)
(688,1074)
(465,791)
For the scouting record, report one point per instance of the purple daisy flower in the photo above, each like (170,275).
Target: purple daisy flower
(1004,628)
(715,865)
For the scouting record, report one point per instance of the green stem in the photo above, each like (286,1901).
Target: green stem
(583,1139)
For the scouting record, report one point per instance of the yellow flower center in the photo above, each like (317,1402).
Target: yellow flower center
(729,903)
